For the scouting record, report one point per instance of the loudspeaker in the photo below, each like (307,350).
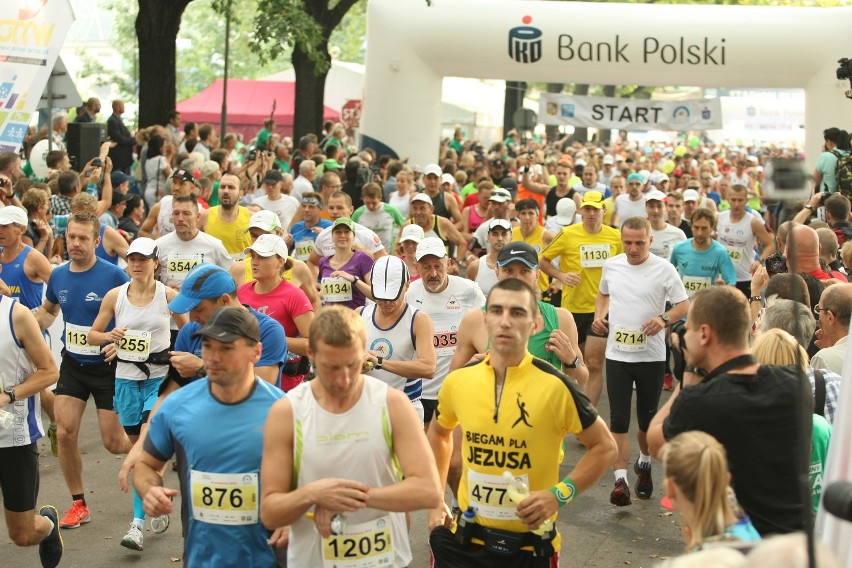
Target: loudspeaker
(83,142)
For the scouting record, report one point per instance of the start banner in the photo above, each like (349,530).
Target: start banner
(31,34)
(630,114)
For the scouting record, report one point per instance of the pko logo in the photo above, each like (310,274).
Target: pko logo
(525,42)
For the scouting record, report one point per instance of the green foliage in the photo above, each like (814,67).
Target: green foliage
(349,38)
(291,26)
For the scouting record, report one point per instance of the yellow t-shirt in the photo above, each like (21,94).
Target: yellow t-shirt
(538,407)
(609,209)
(233,235)
(579,251)
(536,241)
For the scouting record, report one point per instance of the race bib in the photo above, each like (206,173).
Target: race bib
(630,340)
(224,498)
(178,265)
(444,340)
(336,290)
(593,256)
(735,254)
(361,546)
(694,284)
(489,495)
(76,340)
(303,250)
(134,346)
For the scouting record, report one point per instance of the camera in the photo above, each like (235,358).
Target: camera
(844,69)
(825,195)
(787,178)
(252,155)
(96,163)
(776,263)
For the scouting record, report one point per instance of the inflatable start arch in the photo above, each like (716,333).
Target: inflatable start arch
(412,46)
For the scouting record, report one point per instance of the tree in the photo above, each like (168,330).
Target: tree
(306,26)
(157,26)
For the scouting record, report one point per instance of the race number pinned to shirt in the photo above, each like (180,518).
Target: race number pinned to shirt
(444,338)
(735,254)
(135,346)
(693,284)
(629,340)
(336,290)
(489,494)
(77,342)
(361,546)
(303,249)
(179,265)
(224,498)
(593,256)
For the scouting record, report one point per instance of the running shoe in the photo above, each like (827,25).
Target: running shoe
(667,382)
(621,494)
(77,515)
(51,548)
(160,524)
(133,538)
(644,483)
(54,441)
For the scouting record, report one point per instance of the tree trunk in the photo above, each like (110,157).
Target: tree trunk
(515,91)
(608,91)
(157,27)
(310,90)
(552,130)
(581,133)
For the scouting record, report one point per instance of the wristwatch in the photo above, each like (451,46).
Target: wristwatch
(10,392)
(355,280)
(809,207)
(755,299)
(379,360)
(200,373)
(665,317)
(573,365)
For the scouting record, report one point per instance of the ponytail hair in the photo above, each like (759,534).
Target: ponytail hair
(698,466)
(838,136)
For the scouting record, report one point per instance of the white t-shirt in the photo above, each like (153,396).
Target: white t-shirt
(178,257)
(285,207)
(582,189)
(446,309)
(301,185)
(364,238)
(738,239)
(625,208)
(665,239)
(652,283)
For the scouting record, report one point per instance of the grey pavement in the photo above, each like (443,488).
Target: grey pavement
(595,533)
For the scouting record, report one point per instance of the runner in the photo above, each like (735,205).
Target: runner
(303,234)
(665,236)
(141,338)
(388,472)
(531,232)
(159,223)
(483,270)
(739,231)
(345,276)
(701,261)
(229,220)
(219,480)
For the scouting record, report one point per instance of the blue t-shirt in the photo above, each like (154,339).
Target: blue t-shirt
(301,233)
(709,263)
(23,289)
(79,295)
(101,252)
(271,336)
(212,437)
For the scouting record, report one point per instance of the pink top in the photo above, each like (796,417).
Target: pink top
(283,304)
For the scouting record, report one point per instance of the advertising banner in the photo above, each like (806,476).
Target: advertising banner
(31,34)
(630,114)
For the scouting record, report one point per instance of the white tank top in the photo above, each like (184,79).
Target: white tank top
(147,332)
(486,277)
(362,439)
(15,367)
(738,239)
(164,219)
(396,343)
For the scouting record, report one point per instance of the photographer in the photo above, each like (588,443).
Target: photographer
(753,410)
(836,209)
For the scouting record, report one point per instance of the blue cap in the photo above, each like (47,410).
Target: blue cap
(635,177)
(204,282)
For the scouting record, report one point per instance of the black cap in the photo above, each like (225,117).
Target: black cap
(273,176)
(229,324)
(518,251)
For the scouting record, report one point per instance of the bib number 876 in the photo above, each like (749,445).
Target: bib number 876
(215,497)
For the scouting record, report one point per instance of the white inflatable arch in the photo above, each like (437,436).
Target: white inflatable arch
(412,46)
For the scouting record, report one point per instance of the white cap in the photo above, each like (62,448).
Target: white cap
(412,233)
(389,276)
(448,178)
(580,162)
(504,223)
(432,169)
(566,208)
(424,198)
(13,214)
(144,246)
(608,159)
(430,246)
(655,194)
(645,175)
(268,245)
(690,195)
(500,195)
(265,220)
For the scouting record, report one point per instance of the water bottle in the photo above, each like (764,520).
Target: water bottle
(7,419)
(92,189)
(517,492)
(465,526)
(338,524)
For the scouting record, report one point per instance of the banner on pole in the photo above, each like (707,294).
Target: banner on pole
(31,34)
(630,114)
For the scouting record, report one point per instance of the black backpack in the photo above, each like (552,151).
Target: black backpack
(843,173)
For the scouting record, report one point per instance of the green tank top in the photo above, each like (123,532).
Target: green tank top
(538,340)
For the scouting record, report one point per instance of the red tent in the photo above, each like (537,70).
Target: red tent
(249,104)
